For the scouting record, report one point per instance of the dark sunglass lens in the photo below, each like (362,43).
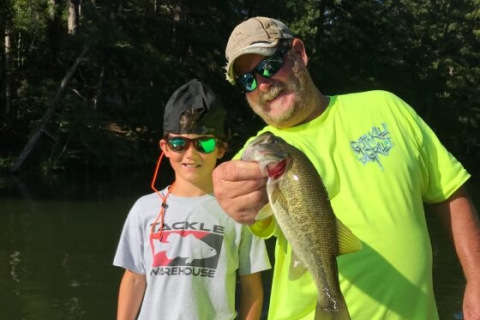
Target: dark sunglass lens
(178,144)
(269,66)
(206,145)
(247,82)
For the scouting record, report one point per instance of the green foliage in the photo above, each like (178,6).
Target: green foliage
(426,52)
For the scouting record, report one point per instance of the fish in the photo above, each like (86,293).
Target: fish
(300,204)
(188,247)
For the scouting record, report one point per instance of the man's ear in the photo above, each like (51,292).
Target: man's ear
(299,48)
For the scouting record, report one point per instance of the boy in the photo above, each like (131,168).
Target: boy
(180,250)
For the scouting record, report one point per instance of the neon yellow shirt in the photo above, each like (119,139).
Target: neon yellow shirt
(379,161)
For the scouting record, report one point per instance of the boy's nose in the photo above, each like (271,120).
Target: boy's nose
(191,150)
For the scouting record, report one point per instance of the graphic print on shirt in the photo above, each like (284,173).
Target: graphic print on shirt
(371,145)
(188,247)
(187,252)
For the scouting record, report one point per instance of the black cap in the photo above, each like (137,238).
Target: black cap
(195,95)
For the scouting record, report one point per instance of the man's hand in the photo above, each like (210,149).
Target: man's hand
(239,187)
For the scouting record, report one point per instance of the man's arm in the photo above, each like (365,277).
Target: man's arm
(251,296)
(132,289)
(240,189)
(459,217)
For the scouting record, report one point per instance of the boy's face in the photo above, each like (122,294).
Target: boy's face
(191,165)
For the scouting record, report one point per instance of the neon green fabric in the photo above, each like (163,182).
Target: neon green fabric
(379,162)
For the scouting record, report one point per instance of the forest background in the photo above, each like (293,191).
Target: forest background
(84,83)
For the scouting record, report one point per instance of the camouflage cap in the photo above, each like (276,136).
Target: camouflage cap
(195,95)
(259,35)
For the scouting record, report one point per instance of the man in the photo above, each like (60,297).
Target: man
(379,161)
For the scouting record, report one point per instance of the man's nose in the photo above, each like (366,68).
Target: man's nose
(264,83)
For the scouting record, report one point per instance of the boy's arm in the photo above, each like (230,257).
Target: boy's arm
(251,296)
(132,289)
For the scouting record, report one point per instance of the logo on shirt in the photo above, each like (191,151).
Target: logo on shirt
(371,145)
(187,252)
(189,248)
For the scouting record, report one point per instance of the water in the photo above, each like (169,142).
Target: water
(58,238)
(57,244)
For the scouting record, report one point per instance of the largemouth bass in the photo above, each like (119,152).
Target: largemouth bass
(302,210)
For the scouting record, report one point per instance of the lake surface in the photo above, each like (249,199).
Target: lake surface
(58,239)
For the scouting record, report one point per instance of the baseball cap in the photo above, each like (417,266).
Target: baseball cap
(259,35)
(195,95)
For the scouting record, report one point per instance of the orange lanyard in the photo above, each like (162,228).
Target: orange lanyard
(159,234)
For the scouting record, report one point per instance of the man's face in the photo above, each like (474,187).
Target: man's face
(279,100)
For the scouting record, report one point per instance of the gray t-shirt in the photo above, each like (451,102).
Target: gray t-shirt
(191,271)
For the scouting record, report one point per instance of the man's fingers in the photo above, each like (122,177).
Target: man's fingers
(233,179)
(237,170)
(240,189)
(245,208)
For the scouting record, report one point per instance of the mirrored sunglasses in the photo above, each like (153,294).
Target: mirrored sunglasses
(267,68)
(202,144)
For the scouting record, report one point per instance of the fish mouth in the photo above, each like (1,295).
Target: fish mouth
(276,169)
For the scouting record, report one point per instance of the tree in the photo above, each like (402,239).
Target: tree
(427,52)
(73,16)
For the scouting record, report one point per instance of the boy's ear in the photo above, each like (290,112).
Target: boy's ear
(221,150)
(163,146)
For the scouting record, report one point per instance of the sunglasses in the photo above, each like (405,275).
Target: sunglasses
(267,68)
(202,144)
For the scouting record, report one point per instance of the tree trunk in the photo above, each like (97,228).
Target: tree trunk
(53,29)
(98,95)
(48,114)
(8,72)
(179,19)
(73,16)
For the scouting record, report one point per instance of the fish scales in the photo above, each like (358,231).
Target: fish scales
(303,212)
(308,223)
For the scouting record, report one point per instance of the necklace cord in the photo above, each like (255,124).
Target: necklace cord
(160,217)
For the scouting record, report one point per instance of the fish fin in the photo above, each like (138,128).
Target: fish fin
(347,241)
(265,212)
(297,268)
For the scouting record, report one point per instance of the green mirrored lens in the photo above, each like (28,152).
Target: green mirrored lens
(247,82)
(269,66)
(206,145)
(177,144)
(266,68)
(203,144)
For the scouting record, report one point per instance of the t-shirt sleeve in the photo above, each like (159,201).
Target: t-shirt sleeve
(129,254)
(442,173)
(253,254)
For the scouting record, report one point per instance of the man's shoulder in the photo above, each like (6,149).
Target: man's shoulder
(373,100)
(371,94)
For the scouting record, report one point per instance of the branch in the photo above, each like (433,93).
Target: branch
(48,114)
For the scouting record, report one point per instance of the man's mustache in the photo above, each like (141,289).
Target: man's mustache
(272,92)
